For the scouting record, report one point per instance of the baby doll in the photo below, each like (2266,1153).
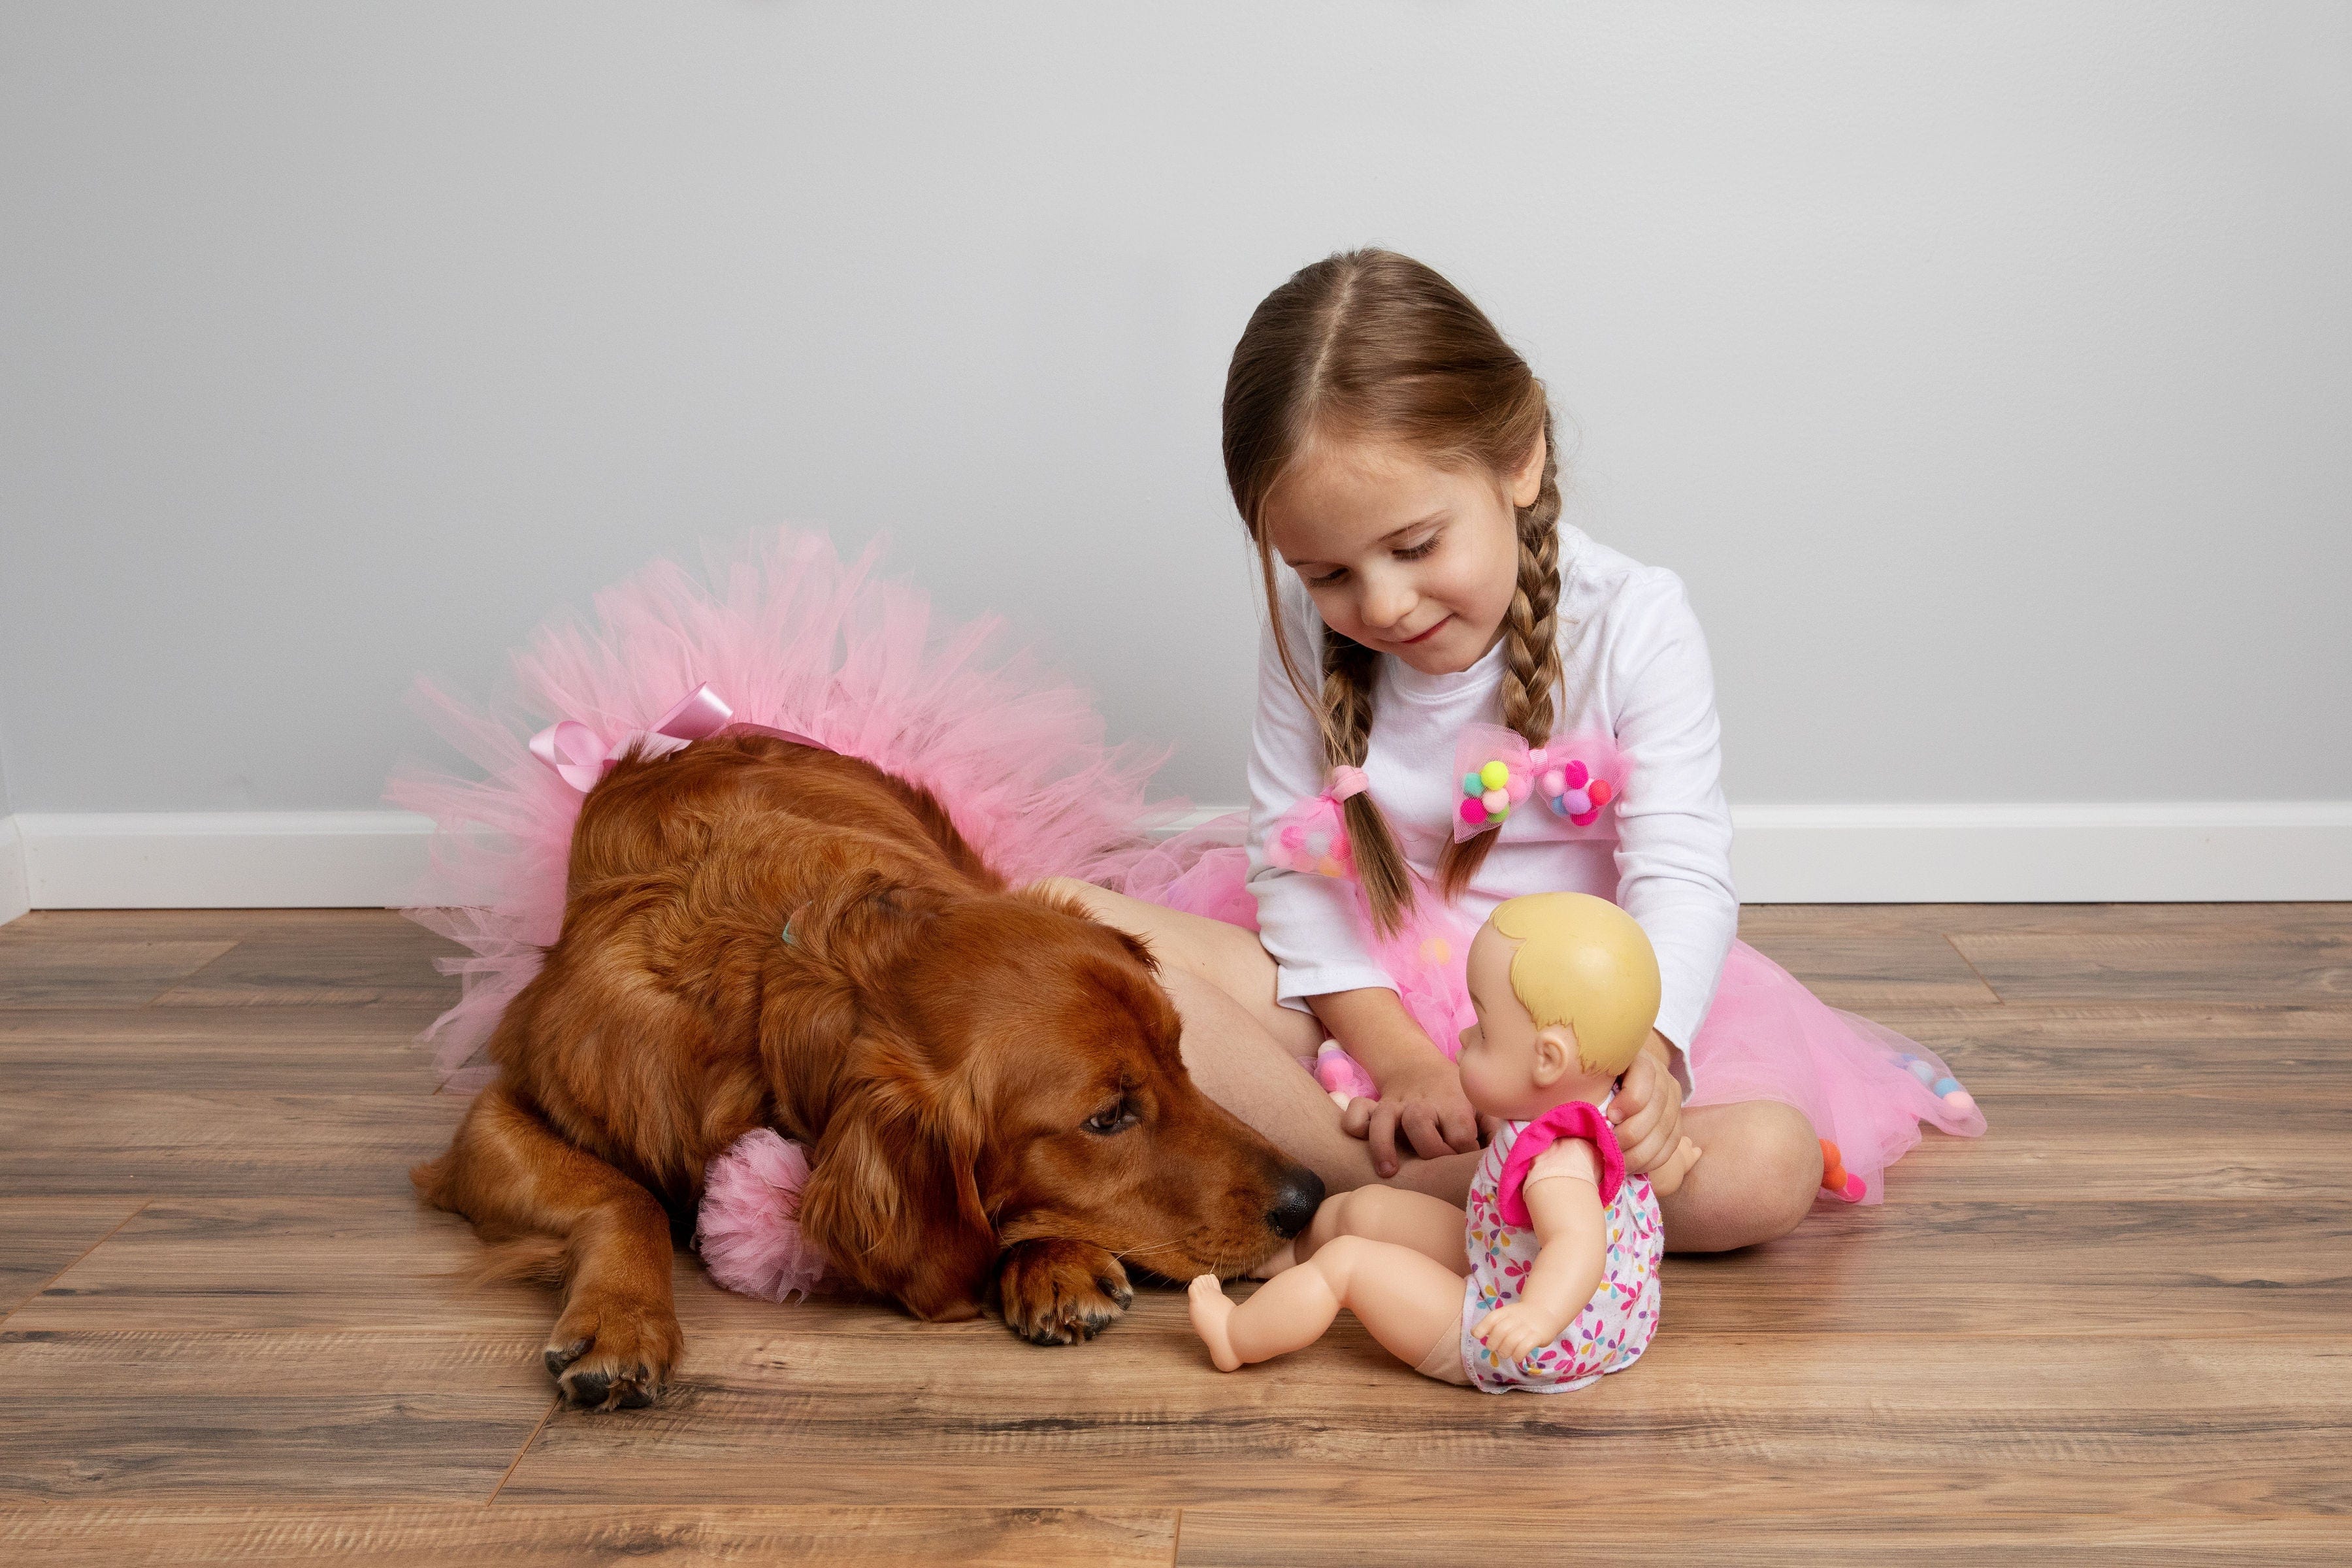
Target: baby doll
(1551,1277)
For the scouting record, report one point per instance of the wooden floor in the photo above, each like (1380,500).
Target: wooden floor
(2118,1328)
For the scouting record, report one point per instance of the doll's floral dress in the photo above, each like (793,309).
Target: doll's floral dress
(1615,1326)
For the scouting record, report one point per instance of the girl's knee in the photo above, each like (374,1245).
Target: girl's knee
(1785,1171)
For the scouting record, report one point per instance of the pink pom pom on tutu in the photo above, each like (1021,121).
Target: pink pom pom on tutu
(748,1229)
(1342,1076)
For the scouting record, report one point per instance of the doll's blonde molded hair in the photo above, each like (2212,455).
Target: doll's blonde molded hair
(1585,965)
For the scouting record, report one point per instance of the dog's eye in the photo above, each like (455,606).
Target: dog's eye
(1112,1119)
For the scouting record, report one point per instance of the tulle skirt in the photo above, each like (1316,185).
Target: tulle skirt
(1865,1089)
(792,638)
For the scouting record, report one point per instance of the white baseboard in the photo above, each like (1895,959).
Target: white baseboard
(222,859)
(2189,853)
(16,894)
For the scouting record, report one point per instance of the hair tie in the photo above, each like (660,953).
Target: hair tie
(1347,782)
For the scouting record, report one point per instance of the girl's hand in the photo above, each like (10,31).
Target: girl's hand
(1425,1101)
(1514,1331)
(1648,1109)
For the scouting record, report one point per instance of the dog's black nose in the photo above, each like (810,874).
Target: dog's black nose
(1295,1201)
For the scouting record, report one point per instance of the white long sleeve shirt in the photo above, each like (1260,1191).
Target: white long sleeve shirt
(1632,662)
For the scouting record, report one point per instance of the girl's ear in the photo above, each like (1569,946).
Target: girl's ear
(1556,1054)
(1527,480)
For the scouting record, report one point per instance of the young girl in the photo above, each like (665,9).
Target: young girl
(1392,460)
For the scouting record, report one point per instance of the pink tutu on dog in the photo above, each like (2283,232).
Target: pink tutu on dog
(1865,1089)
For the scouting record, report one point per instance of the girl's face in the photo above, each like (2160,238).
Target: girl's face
(1399,555)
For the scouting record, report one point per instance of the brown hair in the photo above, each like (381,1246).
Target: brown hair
(1372,345)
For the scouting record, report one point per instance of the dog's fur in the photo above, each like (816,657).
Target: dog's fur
(987,1080)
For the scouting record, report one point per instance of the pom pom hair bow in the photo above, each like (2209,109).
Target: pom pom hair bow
(1577,777)
(1313,834)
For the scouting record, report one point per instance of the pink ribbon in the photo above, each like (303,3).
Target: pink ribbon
(1347,782)
(580,757)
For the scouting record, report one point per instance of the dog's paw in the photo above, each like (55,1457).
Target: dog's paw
(609,1354)
(1060,1292)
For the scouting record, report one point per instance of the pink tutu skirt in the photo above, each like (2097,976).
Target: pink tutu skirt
(789,638)
(1865,1089)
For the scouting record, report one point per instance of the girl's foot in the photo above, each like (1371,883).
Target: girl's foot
(1210,1309)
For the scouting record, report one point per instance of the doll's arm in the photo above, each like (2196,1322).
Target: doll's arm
(1569,1223)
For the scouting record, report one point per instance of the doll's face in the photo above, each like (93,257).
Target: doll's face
(1399,553)
(1509,1067)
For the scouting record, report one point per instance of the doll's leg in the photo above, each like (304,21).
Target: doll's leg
(1404,1300)
(1431,1226)
(1760,1173)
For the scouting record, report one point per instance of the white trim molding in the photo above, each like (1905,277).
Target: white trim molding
(15,895)
(222,859)
(2201,852)
(2119,853)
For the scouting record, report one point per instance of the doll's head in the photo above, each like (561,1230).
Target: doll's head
(1384,439)
(1566,989)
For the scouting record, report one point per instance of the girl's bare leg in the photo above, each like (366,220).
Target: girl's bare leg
(1758,1179)
(1245,1069)
(1242,1047)
(1404,1300)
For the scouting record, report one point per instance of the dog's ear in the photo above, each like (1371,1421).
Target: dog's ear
(893,1195)
(1137,948)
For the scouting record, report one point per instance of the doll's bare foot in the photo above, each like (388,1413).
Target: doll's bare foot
(1210,1310)
(1284,1257)
(1667,1179)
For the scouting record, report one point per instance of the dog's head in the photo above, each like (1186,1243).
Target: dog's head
(978,1072)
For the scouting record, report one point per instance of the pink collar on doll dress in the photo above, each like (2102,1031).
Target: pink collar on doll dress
(1577,1119)
(1575,775)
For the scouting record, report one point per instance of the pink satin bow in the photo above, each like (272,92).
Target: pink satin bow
(580,757)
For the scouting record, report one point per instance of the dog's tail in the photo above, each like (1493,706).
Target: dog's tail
(530,1260)
(538,1260)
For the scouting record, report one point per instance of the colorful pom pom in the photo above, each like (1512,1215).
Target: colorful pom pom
(1960,1100)
(1495,774)
(1554,782)
(1498,801)
(1943,1085)
(1602,791)
(1518,787)
(1924,1072)
(1472,784)
(1473,812)
(1577,773)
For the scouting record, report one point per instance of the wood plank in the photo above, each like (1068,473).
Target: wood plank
(1884,1421)
(38,969)
(2195,1051)
(355,1414)
(190,1143)
(335,1049)
(1863,958)
(2253,966)
(355,958)
(39,1237)
(1956,1534)
(377,1263)
(523,1537)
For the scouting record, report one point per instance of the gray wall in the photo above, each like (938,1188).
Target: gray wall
(1986,369)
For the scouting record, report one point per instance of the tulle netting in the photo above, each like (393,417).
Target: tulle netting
(794,639)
